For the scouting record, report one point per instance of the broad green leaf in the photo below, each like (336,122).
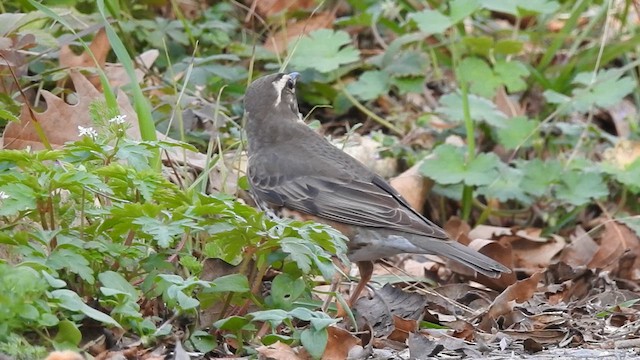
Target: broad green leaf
(580,187)
(431,21)
(285,290)
(370,85)
(203,341)
(481,45)
(273,316)
(481,109)
(16,197)
(507,186)
(323,50)
(519,132)
(113,280)
(71,301)
(407,63)
(231,323)
(448,166)
(68,333)
(315,341)
(230,283)
(511,74)
(508,47)
(515,7)
(540,175)
(460,9)
(479,74)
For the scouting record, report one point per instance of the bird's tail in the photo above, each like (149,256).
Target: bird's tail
(466,256)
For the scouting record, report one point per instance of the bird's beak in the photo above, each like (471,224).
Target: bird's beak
(294,76)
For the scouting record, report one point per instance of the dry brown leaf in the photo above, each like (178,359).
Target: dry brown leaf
(621,114)
(117,75)
(615,241)
(279,41)
(505,104)
(99,47)
(278,351)
(64,355)
(581,249)
(413,186)
(402,328)
(339,344)
(501,253)
(489,232)
(532,256)
(11,55)
(60,120)
(519,292)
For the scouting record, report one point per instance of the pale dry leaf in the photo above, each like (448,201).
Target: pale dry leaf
(413,186)
(506,104)
(518,292)
(278,351)
(532,256)
(580,250)
(623,153)
(622,114)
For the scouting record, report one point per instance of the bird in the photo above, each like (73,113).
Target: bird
(294,170)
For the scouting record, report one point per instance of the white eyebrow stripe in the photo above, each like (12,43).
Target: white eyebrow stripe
(279,85)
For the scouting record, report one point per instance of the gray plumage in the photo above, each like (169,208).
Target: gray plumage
(293,167)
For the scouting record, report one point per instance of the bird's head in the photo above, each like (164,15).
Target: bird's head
(272,94)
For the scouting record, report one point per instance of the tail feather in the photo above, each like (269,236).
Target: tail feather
(466,256)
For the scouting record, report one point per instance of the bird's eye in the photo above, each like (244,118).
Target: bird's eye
(291,84)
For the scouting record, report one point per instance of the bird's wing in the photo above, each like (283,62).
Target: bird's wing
(369,202)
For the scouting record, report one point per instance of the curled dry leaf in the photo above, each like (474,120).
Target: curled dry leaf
(340,344)
(532,255)
(402,328)
(519,292)
(99,47)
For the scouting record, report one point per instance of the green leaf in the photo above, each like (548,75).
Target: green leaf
(515,7)
(477,72)
(431,21)
(407,63)
(16,197)
(539,175)
(68,333)
(448,166)
(580,187)
(230,283)
(511,74)
(460,9)
(203,341)
(480,108)
(113,280)
(370,85)
(315,341)
(286,289)
(508,47)
(231,323)
(507,186)
(323,50)
(71,301)
(481,45)
(519,132)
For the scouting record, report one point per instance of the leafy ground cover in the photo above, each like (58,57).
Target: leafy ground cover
(126,229)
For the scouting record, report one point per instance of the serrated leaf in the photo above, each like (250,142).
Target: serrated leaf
(16,197)
(407,63)
(370,85)
(479,75)
(539,175)
(481,109)
(580,187)
(448,166)
(323,50)
(507,186)
(431,21)
(519,132)
(511,74)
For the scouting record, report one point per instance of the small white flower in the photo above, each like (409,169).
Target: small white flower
(3,195)
(119,119)
(90,132)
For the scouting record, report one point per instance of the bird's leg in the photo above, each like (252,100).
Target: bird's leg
(366,270)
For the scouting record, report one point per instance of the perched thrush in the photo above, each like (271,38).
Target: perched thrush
(293,168)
